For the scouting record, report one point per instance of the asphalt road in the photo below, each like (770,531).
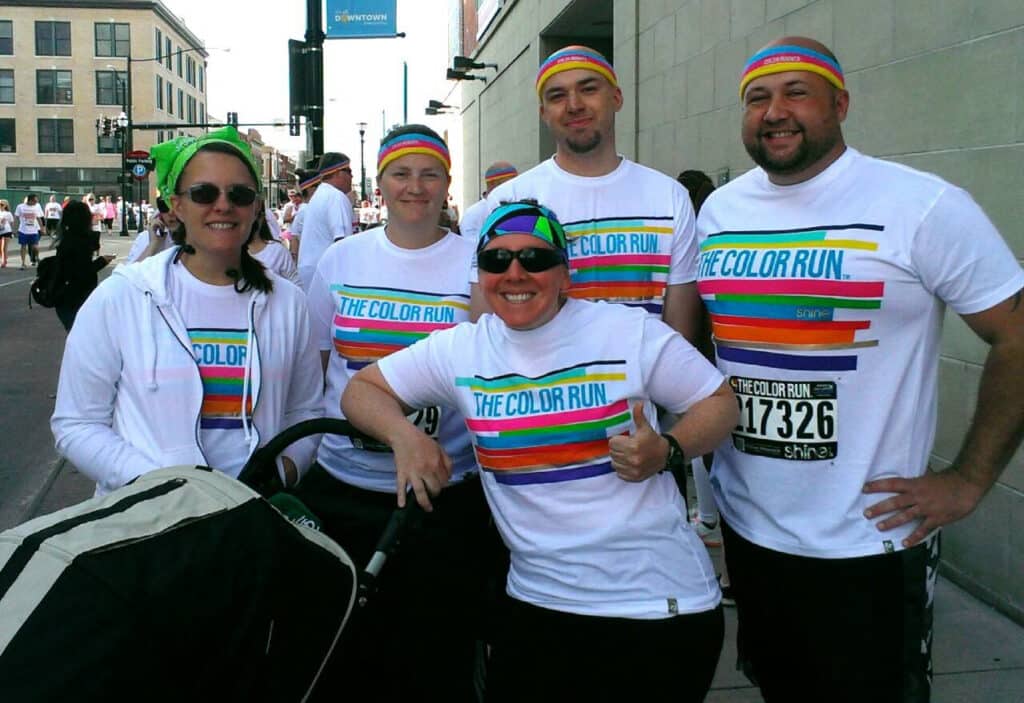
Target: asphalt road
(32,478)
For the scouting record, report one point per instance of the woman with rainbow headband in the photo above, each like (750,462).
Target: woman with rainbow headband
(611,595)
(195,355)
(372,295)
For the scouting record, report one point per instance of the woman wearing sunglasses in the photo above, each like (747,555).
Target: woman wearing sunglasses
(195,355)
(611,594)
(371,295)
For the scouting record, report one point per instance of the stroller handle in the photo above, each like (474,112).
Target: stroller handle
(260,474)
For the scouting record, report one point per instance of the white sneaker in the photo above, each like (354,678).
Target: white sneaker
(708,532)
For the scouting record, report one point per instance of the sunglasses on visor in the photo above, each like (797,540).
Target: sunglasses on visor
(532,259)
(207,193)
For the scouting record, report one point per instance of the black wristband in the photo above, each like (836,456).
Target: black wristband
(676,458)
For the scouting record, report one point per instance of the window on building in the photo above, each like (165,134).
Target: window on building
(191,110)
(201,72)
(159,93)
(6,38)
(181,103)
(108,145)
(6,85)
(113,39)
(167,52)
(53,87)
(53,39)
(110,87)
(158,42)
(7,142)
(202,113)
(56,136)
(190,70)
(180,74)
(170,98)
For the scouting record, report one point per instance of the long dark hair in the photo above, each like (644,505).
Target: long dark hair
(75,233)
(250,272)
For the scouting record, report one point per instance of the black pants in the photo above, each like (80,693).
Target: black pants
(544,655)
(834,629)
(418,638)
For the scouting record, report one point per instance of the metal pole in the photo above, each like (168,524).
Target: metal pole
(126,138)
(315,78)
(362,161)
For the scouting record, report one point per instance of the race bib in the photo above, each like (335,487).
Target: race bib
(794,420)
(427,420)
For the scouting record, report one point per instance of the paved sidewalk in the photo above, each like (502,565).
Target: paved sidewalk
(978,653)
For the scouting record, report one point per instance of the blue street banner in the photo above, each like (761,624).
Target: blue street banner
(360,19)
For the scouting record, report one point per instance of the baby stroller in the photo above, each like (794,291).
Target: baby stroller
(184,585)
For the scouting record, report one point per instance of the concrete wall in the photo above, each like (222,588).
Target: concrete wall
(936,85)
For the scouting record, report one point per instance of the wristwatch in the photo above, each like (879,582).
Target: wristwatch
(676,459)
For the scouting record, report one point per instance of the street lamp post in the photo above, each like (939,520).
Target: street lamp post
(362,160)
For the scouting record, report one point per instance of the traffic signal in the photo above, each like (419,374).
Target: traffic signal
(233,119)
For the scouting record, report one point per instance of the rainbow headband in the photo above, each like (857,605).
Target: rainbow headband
(331,170)
(413,143)
(524,217)
(309,183)
(575,57)
(494,176)
(777,59)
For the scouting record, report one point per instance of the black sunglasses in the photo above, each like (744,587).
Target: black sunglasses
(207,193)
(533,259)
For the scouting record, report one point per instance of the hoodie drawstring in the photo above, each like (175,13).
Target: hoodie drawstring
(250,345)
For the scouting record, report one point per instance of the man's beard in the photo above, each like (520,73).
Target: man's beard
(806,155)
(584,147)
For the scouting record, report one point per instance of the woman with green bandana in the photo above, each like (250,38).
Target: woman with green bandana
(196,355)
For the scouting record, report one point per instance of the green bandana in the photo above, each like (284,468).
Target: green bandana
(170,158)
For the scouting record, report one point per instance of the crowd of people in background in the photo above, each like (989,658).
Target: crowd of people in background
(550,369)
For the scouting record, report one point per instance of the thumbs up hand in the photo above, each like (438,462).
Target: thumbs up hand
(641,454)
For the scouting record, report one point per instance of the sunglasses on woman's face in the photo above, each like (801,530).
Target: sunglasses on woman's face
(207,193)
(532,259)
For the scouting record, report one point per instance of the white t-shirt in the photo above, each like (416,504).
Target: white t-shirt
(630,232)
(827,300)
(297,221)
(370,298)
(541,405)
(326,219)
(276,257)
(6,221)
(99,213)
(28,218)
(473,220)
(142,241)
(53,211)
(215,317)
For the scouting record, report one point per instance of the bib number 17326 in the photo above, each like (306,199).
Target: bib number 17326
(794,420)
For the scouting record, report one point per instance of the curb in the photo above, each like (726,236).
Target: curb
(53,471)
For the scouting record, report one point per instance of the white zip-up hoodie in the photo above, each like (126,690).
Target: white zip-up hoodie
(130,393)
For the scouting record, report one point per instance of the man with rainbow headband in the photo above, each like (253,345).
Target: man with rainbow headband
(328,215)
(373,295)
(473,219)
(630,228)
(826,273)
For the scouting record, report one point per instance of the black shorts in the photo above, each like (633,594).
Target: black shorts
(834,630)
(418,638)
(542,655)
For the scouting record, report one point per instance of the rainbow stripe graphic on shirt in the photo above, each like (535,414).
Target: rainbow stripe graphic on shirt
(221,355)
(780,299)
(621,260)
(550,428)
(371,323)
